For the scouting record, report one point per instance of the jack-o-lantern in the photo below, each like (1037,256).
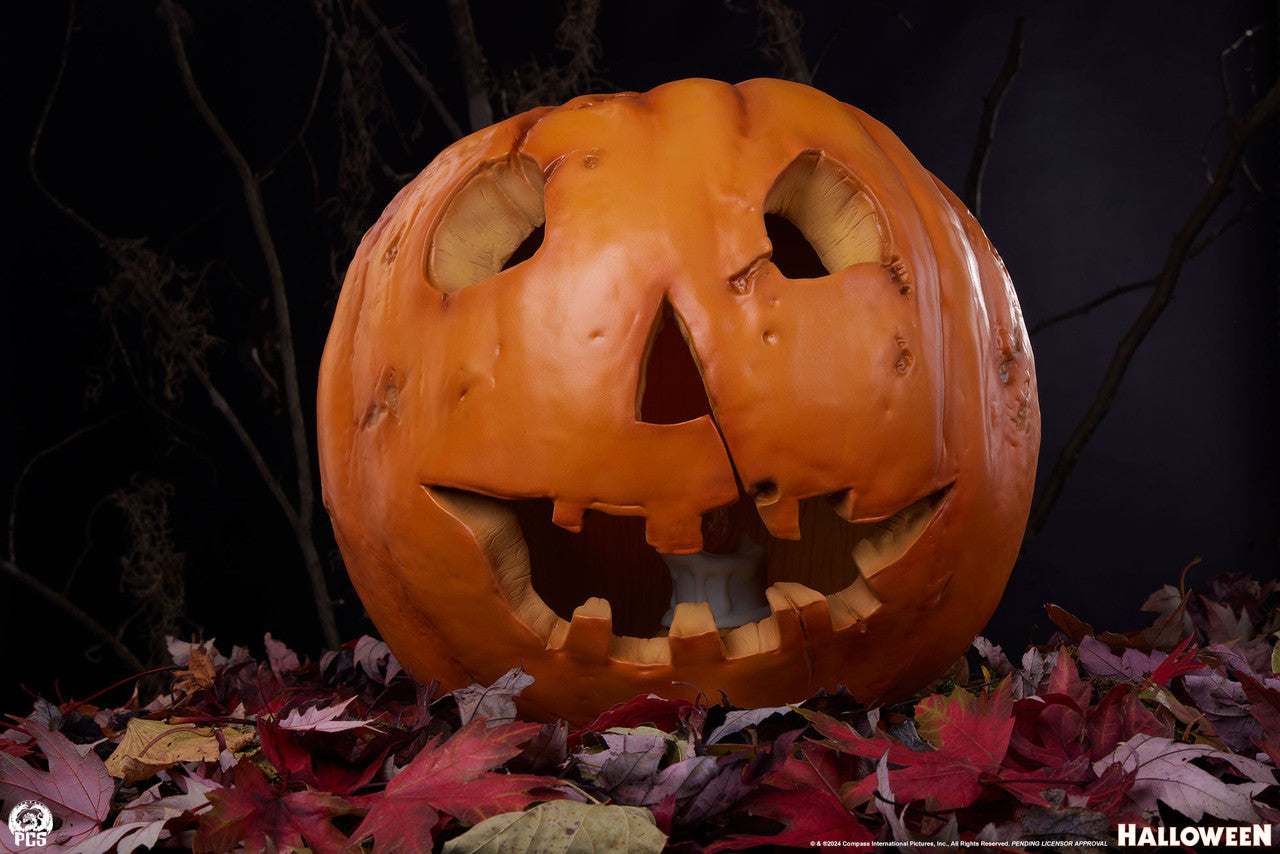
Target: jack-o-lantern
(709,388)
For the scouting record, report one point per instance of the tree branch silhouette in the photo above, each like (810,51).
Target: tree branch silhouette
(1240,133)
(987,124)
(302,518)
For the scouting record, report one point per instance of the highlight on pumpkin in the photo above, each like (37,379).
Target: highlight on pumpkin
(494,221)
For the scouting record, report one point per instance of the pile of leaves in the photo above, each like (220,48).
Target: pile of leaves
(1173,725)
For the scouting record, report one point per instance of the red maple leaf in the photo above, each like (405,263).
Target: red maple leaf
(76,789)
(802,794)
(643,709)
(1118,717)
(1048,732)
(252,812)
(332,762)
(971,733)
(453,777)
(1065,679)
(1181,660)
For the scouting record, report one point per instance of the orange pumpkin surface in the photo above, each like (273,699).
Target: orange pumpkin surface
(698,320)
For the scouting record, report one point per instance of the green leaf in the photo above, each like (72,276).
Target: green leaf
(563,827)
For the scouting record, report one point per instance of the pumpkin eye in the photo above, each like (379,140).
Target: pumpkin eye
(820,219)
(793,254)
(495,221)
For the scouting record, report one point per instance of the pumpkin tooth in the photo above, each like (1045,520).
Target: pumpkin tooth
(642,651)
(589,632)
(694,637)
(567,515)
(811,608)
(787,617)
(890,538)
(672,534)
(808,607)
(844,503)
(859,599)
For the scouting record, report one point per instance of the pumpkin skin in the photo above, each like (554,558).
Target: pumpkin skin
(886,409)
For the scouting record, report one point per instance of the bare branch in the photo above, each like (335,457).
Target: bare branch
(1120,290)
(123,254)
(1239,134)
(22,476)
(479,111)
(258,216)
(410,68)
(1085,308)
(987,125)
(53,597)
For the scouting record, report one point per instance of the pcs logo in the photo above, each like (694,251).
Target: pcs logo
(30,822)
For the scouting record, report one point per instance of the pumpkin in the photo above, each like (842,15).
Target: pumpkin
(728,342)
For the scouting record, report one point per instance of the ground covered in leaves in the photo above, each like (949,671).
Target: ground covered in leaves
(1172,726)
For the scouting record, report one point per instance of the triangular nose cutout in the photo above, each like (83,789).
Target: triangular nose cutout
(671,388)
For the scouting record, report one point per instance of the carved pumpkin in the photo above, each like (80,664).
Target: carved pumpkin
(742,317)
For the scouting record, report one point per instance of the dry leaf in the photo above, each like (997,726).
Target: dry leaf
(151,746)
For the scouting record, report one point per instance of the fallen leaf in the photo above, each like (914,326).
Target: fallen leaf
(993,655)
(739,719)
(1164,633)
(1181,661)
(374,657)
(253,814)
(200,671)
(282,659)
(1225,705)
(807,817)
(77,788)
(1163,771)
(1224,623)
(564,826)
(495,702)
(643,709)
(316,719)
(123,838)
(151,746)
(453,777)
(1264,707)
(1118,717)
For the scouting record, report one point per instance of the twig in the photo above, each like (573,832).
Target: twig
(1120,290)
(1085,308)
(117,250)
(1239,134)
(293,396)
(987,125)
(479,111)
(406,63)
(74,611)
(22,475)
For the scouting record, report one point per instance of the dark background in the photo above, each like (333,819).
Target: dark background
(136,503)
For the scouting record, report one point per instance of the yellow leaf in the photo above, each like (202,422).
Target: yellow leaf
(151,746)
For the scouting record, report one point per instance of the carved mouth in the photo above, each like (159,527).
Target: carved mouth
(602,592)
